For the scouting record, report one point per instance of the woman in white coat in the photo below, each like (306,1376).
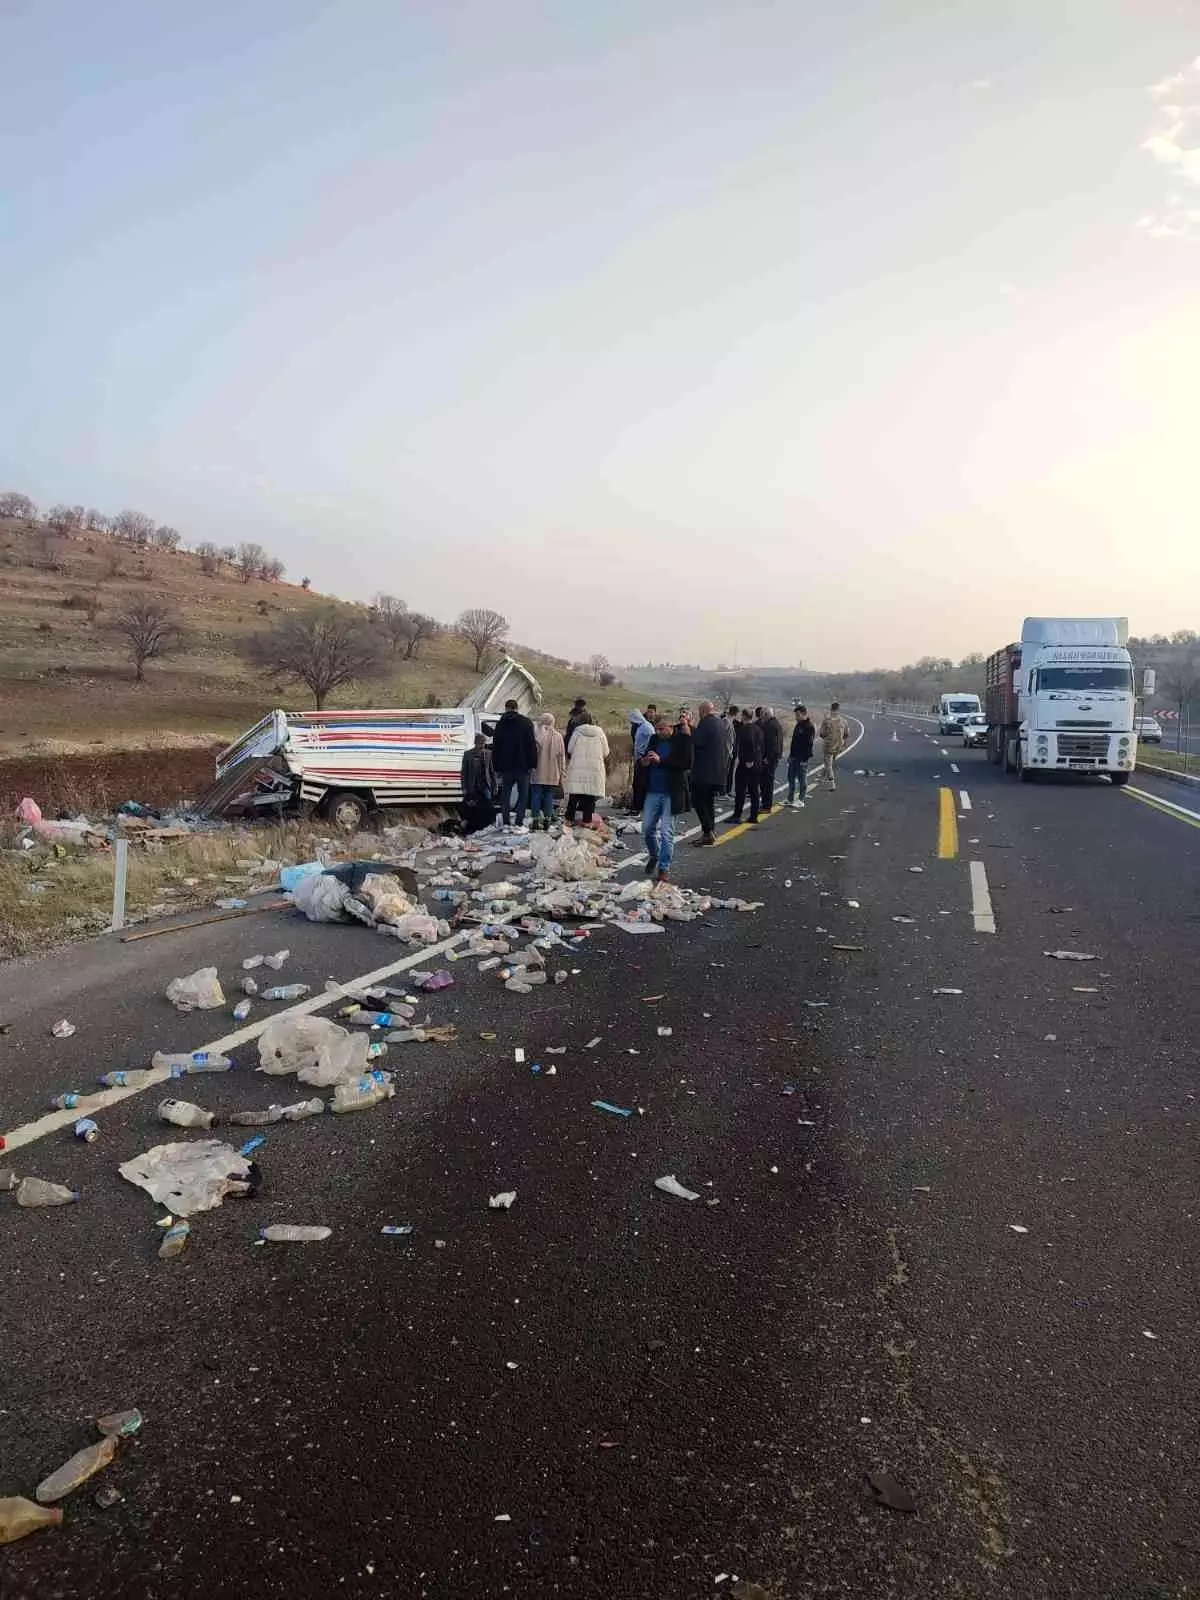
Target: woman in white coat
(586,779)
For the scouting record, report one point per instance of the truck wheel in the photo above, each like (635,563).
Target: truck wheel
(1120,779)
(347,811)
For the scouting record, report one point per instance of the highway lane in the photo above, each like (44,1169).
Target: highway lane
(695,1389)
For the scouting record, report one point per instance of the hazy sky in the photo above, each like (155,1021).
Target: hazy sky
(842,333)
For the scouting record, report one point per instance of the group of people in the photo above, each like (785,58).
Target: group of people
(677,767)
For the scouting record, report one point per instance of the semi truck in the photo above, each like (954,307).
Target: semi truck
(343,765)
(1062,699)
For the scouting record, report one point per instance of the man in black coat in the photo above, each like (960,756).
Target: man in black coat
(749,767)
(514,756)
(772,732)
(708,770)
(799,755)
(478,786)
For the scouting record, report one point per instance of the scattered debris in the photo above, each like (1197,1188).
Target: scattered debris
(174,1239)
(503,1201)
(1016,1227)
(401,1229)
(665,1033)
(276,961)
(592,1043)
(889,1493)
(947,991)
(86,1130)
(671,1185)
(1069,955)
(1080,989)
(183,1114)
(916,869)
(617,1111)
(187,1178)
(30,1192)
(63,1029)
(19,1516)
(200,991)
(125,1423)
(1147,1334)
(293,1233)
(107,1498)
(904,919)
(850,949)
(82,1465)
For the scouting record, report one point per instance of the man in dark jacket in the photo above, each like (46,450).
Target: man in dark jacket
(578,711)
(478,787)
(731,728)
(708,770)
(749,767)
(799,755)
(669,760)
(514,756)
(772,732)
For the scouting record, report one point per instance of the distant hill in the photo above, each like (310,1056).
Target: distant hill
(67,682)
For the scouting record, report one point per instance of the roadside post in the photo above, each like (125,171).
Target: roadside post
(120,869)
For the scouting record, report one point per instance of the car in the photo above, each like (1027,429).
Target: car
(974,731)
(1148,730)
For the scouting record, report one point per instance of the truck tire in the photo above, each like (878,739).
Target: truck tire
(346,810)
(1120,779)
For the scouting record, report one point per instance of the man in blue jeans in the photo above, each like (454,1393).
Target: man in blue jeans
(668,760)
(799,755)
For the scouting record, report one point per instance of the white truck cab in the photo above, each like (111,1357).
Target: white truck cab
(954,709)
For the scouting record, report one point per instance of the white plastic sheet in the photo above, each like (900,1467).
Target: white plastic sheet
(187,1178)
(317,1050)
(199,991)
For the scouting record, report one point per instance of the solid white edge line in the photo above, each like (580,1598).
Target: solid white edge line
(29,1132)
(964,799)
(981,899)
(1171,805)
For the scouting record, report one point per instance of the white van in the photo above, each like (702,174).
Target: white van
(953,709)
(346,764)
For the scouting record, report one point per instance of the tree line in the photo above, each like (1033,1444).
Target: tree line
(142,532)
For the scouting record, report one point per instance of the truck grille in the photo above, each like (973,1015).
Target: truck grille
(1080,746)
(1083,724)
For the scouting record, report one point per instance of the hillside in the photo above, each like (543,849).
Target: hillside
(67,683)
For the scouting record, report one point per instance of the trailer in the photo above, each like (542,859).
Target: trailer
(344,765)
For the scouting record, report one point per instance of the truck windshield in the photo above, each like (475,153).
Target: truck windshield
(963,705)
(1082,680)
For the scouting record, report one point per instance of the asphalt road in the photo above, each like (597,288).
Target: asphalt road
(659,1395)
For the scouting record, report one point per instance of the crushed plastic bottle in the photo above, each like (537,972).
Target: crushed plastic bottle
(301,1109)
(174,1239)
(19,1516)
(184,1063)
(37,1192)
(65,1102)
(249,964)
(286,991)
(87,1130)
(63,1029)
(126,1080)
(123,1423)
(242,1010)
(82,1465)
(249,987)
(373,1019)
(184,1114)
(276,961)
(360,1094)
(293,1233)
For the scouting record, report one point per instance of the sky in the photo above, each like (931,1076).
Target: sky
(672,329)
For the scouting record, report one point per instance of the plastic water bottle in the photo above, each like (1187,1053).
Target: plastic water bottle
(184,1114)
(372,1019)
(293,1233)
(19,1516)
(37,1192)
(185,1063)
(286,991)
(302,1109)
(174,1239)
(242,1010)
(276,961)
(249,986)
(78,1469)
(87,1130)
(125,1080)
(66,1102)
(360,1094)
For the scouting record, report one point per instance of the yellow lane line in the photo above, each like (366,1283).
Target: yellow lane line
(947,826)
(1161,808)
(737,831)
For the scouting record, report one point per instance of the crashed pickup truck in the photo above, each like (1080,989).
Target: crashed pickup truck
(343,765)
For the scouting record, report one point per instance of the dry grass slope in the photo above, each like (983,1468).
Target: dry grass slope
(66,682)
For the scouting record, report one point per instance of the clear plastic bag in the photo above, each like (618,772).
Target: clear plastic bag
(199,991)
(317,1050)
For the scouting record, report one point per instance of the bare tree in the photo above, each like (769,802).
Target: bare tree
(229,554)
(167,538)
(596,665)
(250,558)
(324,650)
(114,564)
(96,520)
(391,615)
(17,505)
(135,527)
(306,584)
(60,518)
(415,628)
(483,630)
(210,557)
(150,629)
(387,605)
(273,569)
